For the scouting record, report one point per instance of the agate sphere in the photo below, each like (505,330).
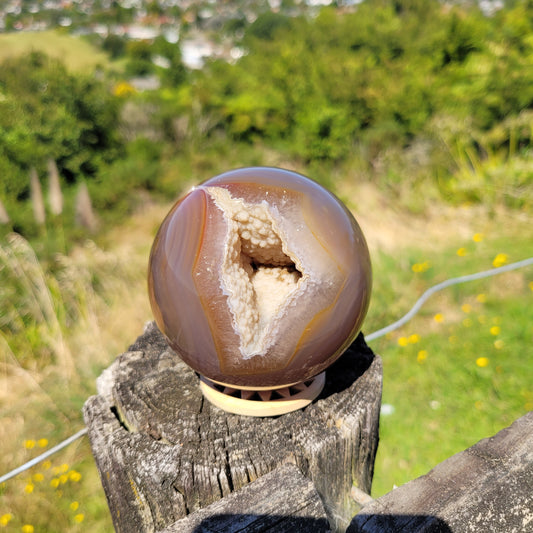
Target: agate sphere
(259,277)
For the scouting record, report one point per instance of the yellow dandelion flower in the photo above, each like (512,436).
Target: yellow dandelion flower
(47,464)
(478,237)
(421,356)
(57,470)
(414,338)
(27,528)
(462,252)
(421,267)
(5,519)
(482,362)
(452,339)
(495,330)
(439,317)
(63,478)
(42,443)
(123,88)
(28,489)
(54,483)
(79,518)
(500,260)
(38,478)
(478,404)
(481,298)
(403,341)
(29,444)
(530,285)
(74,476)
(466,308)
(498,344)
(467,322)
(74,506)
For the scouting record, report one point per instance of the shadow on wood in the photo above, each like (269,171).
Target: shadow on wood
(405,523)
(262,523)
(163,452)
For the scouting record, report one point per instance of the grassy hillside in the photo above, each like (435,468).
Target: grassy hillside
(76,53)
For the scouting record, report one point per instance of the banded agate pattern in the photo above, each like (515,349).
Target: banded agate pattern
(259,277)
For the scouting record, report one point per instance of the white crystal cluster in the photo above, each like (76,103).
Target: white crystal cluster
(260,276)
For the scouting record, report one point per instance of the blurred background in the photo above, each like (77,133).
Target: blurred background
(418,114)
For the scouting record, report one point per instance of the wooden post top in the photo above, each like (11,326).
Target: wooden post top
(163,451)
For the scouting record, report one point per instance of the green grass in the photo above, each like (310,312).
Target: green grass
(460,370)
(77,54)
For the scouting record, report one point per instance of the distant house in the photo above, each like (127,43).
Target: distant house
(141,33)
(195,50)
(147,83)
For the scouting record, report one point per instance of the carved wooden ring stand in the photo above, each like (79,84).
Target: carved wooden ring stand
(262,402)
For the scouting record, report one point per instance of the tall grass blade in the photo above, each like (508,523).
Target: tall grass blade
(37,198)
(55,197)
(84,211)
(30,303)
(4,217)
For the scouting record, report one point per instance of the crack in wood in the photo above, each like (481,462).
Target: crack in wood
(116,414)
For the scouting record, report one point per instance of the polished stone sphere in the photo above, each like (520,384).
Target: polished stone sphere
(259,277)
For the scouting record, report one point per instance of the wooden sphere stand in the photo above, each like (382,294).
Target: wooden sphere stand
(262,401)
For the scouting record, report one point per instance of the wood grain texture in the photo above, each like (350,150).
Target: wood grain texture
(488,487)
(164,452)
(281,501)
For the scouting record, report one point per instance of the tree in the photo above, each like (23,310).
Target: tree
(267,24)
(114,45)
(139,58)
(176,72)
(47,112)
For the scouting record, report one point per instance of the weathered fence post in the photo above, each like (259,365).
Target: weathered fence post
(163,452)
(488,487)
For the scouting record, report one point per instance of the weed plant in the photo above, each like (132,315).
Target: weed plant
(59,327)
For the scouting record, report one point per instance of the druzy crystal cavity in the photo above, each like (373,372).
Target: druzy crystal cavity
(259,277)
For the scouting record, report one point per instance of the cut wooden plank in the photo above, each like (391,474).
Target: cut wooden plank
(488,487)
(280,501)
(164,452)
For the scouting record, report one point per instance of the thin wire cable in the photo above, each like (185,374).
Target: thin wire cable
(448,283)
(44,455)
(372,336)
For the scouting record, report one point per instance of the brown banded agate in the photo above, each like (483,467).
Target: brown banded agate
(259,277)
